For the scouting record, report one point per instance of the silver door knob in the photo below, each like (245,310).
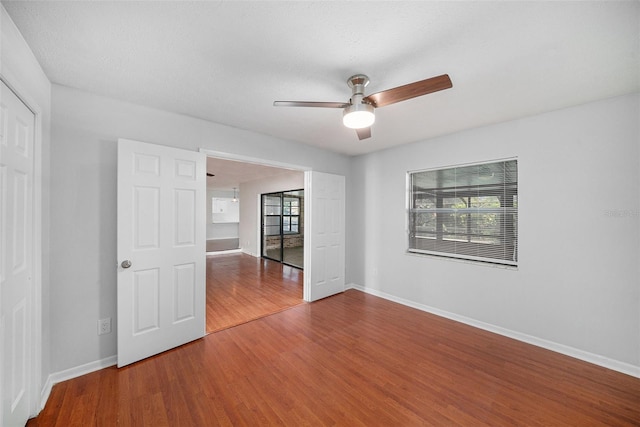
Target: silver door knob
(126,263)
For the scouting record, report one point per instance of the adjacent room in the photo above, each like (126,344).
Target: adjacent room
(319,213)
(243,286)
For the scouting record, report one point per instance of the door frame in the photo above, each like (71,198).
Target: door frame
(37,395)
(264,162)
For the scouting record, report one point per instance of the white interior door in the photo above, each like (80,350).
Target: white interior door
(324,268)
(161,248)
(17,124)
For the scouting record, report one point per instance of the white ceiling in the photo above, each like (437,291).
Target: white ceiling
(227,61)
(229,174)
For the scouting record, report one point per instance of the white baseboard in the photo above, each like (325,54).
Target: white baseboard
(68,374)
(616,365)
(250,253)
(229,251)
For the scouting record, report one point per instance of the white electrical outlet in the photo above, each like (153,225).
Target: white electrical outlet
(104,326)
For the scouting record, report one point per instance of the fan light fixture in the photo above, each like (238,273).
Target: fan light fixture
(358,116)
(358,112)
(235,198)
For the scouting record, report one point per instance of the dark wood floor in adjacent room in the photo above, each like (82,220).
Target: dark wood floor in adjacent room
(351,359)
(241,288)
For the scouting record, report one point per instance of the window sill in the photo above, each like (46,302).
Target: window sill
(463,261)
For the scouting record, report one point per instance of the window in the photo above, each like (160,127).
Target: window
(468,212)
(224,209)
(271,215)
(290,215)
(280,208)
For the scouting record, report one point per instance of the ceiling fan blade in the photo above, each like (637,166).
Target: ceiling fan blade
(310,104)
(363,133)
(411,90)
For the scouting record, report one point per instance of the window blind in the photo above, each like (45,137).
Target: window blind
(468,212)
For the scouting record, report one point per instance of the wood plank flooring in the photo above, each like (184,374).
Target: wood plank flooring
(350,360)
(241,288)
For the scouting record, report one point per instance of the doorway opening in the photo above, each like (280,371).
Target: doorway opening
(283,227)
(241,285)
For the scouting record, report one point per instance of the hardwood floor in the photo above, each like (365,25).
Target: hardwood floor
(352,359)
(241,288)
(292,256)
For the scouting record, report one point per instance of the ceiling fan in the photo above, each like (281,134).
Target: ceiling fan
(358,113)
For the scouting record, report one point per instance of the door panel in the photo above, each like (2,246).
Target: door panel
(146,215)
(161,231)
(146,300)
(185,292)
(17,124)
(324,235)
(293,228)
(185,225)
(272,226)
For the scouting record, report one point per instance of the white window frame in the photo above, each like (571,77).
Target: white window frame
(475,228)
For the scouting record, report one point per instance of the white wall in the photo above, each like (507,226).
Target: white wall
(578,281)
(223,230)
(20,69)
(250,206)
(85,130)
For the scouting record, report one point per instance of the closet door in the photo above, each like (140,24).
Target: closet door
(17,124)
